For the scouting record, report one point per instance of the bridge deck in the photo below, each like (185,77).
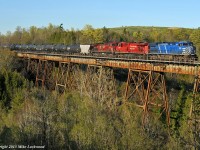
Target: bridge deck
(137,64)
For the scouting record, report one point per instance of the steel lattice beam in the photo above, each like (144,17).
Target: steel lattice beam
(147,90)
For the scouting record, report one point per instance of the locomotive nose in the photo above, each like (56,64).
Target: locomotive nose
(188,50)
(193,49)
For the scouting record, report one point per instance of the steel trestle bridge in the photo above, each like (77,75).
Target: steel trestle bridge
(145,85)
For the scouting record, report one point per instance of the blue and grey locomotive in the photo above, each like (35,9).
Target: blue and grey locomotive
(181,48)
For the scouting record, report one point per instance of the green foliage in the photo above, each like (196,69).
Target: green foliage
(91,35)
(11,83)
(195,37)
(138,36)
(71,121)
(182,129)
(178,111)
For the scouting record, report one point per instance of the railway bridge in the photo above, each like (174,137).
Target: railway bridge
(145,85)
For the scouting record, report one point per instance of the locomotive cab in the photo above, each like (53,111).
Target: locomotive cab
(187,47)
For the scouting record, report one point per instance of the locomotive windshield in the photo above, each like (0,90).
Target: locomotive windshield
(185,44)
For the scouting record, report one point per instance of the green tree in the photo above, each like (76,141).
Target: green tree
(195,38)
(98,36)
(17,35)
(87,35)
(138,36)
(26,39)
(105,34)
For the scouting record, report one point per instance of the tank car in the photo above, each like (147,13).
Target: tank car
(73,48)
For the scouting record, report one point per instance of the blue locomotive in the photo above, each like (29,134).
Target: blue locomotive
(174,48)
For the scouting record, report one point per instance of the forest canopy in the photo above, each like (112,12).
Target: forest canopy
(87,35)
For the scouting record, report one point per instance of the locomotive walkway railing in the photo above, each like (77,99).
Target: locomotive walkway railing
(145,85)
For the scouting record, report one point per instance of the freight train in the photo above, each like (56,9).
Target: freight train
(172,51)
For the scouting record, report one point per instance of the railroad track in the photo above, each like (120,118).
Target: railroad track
(114,57)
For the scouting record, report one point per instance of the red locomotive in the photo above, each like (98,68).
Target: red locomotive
(122,47)
(106,47)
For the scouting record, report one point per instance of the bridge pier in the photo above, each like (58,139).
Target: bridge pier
(41,73)
(32,66)
(62,76)
(196,85)
(194,114)
(93,78)
(49,76)
(100,85)
(147,90)
(196,90)
(65,76)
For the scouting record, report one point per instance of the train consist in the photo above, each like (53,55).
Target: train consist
(176,51)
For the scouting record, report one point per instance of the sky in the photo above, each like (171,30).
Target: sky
(109,13)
